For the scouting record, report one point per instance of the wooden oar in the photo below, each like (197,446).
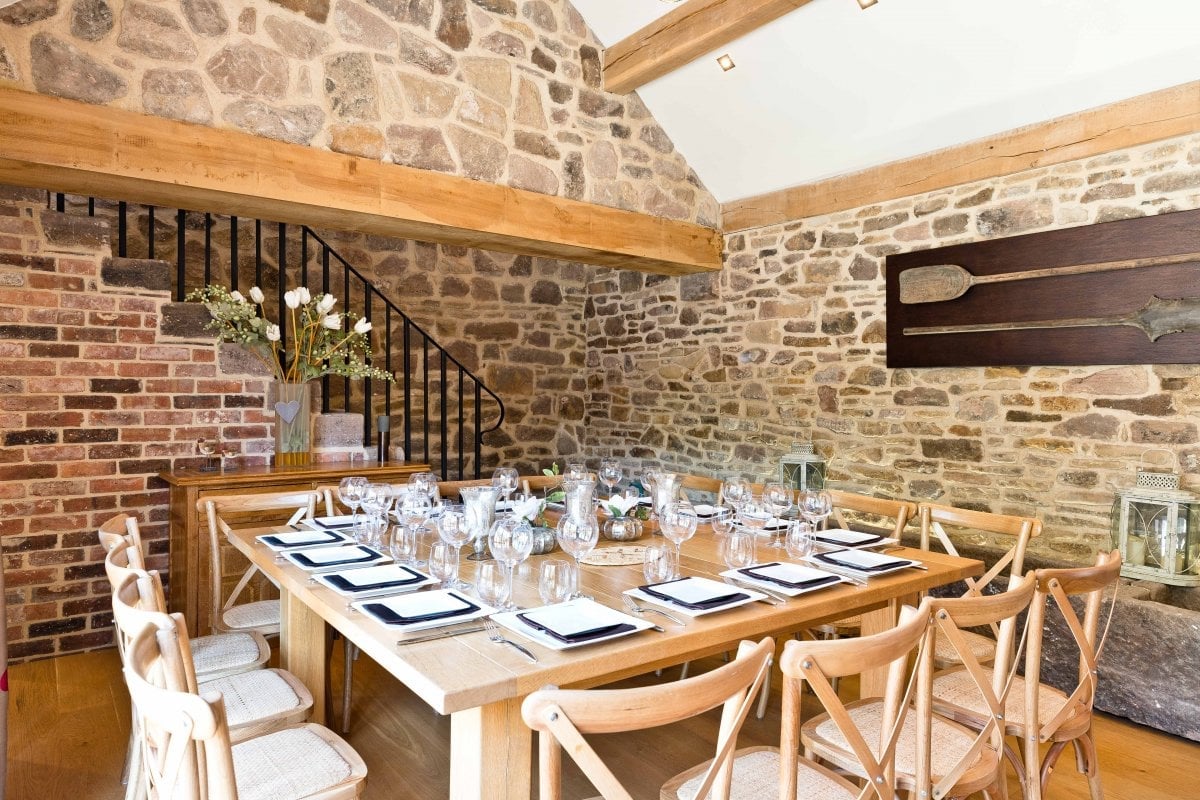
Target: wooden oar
(939,282)
(1156,319)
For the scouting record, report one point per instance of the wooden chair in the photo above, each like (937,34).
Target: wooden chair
(220,511)
(563,716)
(934,757)
(1062,717)
(1017,530)
(187,749)
(216,655)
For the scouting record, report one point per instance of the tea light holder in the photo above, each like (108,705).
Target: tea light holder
(1156,526)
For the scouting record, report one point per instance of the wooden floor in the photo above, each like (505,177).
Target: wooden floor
(69,719)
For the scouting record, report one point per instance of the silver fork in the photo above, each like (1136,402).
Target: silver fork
(633,606)
(493,632)
(770,598)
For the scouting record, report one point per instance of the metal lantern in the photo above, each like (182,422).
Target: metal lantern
(1156,526)
(802,468)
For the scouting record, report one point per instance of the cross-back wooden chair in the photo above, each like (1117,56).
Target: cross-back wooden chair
(1063,717)
(1016,530)
(562,718)
(188,752)
(222,512)
(934,757)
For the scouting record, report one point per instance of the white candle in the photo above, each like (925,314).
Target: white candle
(1135,551)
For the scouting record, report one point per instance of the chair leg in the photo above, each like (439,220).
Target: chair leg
(1085,759)
(349,653)
(1048,763)
(683,673)
(764,694)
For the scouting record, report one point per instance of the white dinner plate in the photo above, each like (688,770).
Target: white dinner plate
(850,539)
(695,590)
(574,623)
(785,577)
(866,563)
(369,581)
(289,540)
(338,523)
(418,611)
(321,559)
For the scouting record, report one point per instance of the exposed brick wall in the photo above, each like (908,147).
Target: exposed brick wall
(94,402)
(719,373)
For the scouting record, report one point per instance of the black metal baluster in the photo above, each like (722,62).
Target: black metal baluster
(479,430)
(444,431)
(233,252)
(122,230)
(425,393)
(150,231)
(91,206)
(207,248)
(461,426)
(303,256)
(180,255)
(60,203)
(368,416)
(258,262)
(283,309)
(407,344)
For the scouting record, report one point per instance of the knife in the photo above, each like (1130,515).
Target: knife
(770,598)
(429,637)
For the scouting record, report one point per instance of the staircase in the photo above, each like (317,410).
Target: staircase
(444,409)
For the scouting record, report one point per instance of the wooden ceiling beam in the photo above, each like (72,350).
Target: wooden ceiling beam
(1148,118)
(684,34)
(67,146)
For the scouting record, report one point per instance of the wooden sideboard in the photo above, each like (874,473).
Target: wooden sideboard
(188,583)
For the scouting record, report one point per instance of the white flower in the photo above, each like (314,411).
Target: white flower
(304,296)
(333,322)
(237,296)
(272,333)
(362,326)
(256,294)
(327,303)
(291,299)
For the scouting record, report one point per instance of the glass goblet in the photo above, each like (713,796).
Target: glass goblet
(350,491)
(610,474)
(739,549)
(778,499)
(577,536)
(678,522)
(511,542)
(735,491)
(505,479)
(425,482)
(575,471)
(453,528)
(799,540)
(405,543)
(816,506)
(753,515)
(722,521)
(491,583)
(556,580)
(660,564)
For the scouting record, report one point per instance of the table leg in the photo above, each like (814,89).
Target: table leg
(302,649)
(491,756)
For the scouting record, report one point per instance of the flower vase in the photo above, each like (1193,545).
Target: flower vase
(293,424)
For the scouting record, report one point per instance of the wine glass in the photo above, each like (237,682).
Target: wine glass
(577,536)
(375,499)
(511,542)
(816,506)
(505,479)
(491,584)
(678,523)
(735,491)
(753,515)
(414,511)
(777,497)
(556,581)
(443,563)
(722,520)
(350,493)
(799,540)
(575,471)
(610,474)
(738,549)
(453,529)
(405,544)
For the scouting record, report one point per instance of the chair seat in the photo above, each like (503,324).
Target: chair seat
(228,654)
(954,692)
(260,700)
(297,762)
(262,616)
(949,742)
(756,777)
(981,647)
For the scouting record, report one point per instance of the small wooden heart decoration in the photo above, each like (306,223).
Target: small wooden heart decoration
(288,411)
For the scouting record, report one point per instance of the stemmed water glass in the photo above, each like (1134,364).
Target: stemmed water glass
(735,491)
(575,471)
(799,540)
(610,474)
(816,506)
(424,482)
(777,497)
(577,536)
(414,510)
(375,499)
(722,520)
(453,528)
(350,491)
(678,522)
(511,542)
(505,479)
(752,514)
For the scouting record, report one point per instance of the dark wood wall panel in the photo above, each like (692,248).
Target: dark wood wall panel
(1061,297)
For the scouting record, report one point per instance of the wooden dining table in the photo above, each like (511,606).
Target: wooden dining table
(481,684)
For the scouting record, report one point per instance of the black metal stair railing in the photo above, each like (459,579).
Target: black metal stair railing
(443,404)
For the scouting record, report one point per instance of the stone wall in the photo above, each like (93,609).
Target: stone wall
(719,373)
(503,91)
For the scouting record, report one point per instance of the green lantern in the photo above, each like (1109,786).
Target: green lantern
(802,469)
(1156,526)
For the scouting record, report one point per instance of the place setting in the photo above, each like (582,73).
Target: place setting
(290,540)
(419,611)
(572,623)
(318,559)
(375,580)
(863,563)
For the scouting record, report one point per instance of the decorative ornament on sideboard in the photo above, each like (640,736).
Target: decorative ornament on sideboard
(313,340)
(803,468)
(1156,526)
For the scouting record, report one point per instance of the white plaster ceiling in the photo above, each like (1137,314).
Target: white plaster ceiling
(830,88)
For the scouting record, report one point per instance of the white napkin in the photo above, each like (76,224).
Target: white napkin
(846,537)
(866,559)
(302,537)
(418,604)
(527,507)
(695,590)
(335,555)
(785,571)
(569,619)
(621,502)
(370,576)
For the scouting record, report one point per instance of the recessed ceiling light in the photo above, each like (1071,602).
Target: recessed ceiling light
(726,62)
(672,2)
(865,4)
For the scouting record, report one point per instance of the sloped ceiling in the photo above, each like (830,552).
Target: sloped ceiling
(829,88)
